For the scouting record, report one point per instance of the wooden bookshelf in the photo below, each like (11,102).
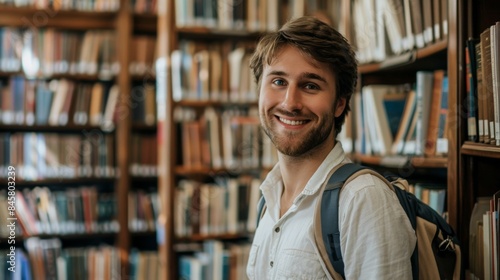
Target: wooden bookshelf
(123,23)
(473,166)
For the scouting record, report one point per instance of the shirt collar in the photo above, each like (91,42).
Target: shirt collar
(273,182)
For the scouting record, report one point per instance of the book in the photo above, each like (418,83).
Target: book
(488,82)
(471,85)
(417,22)
(434,114)
(424,94)
(442,138)
(495,74)
(385,106)
(404,124)
(482,105)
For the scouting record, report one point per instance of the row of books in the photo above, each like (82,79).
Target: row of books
(144,265)
(399,120)
(226,206)
(216,260)
(50,155)
(484,239)
(483,86)
(391,27)
(248,15)
(433,195)
(79,210)
(46,259)
(143,211)
(46,52)
(218,72)
(143,155)
(79,5)
(143,54)
(60,103)
(222,138)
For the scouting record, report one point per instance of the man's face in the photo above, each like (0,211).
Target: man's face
(297,103)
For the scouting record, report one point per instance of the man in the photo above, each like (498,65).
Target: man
(306,73)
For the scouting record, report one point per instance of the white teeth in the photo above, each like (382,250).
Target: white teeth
(289,122)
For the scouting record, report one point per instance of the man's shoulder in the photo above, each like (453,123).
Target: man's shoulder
(366,182)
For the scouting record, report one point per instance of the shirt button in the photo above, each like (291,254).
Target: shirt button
(277,229)
(271,263)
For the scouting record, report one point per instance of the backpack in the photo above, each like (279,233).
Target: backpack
(437,253)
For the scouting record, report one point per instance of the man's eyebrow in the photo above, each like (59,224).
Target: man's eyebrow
(306,75)
(309,75)
(277,73)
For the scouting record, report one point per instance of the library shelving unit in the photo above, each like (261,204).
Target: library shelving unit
(119,20)
(472,173)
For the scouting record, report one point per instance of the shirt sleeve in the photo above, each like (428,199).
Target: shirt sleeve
(377,239)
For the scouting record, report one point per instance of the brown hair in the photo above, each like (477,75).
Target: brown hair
(319,41)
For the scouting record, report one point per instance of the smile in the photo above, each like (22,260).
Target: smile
(291,122)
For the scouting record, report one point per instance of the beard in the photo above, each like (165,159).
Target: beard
(294,143)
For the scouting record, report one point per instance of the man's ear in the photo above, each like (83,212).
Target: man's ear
(340,106)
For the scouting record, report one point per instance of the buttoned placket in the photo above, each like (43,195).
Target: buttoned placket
(277,233)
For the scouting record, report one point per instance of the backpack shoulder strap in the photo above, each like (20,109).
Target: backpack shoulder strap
(329,231)
(261,208)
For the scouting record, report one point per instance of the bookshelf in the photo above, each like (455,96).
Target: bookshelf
(234,38)
(475,161)
(119,19)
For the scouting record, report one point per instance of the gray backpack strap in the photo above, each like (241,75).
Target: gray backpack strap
(329,214)
(261,209)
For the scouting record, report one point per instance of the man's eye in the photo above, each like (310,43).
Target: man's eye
(279,82)
(311,86)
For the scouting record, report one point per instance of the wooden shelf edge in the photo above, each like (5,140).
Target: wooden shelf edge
(203,237)
(145,22)
(68,129)
(404,58)
(208,171)
(480,150)
(29,17)
(401,160)
(202,30)
(205,103)
(72,236)
(61,181)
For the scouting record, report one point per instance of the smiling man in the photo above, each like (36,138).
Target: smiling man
(306,74)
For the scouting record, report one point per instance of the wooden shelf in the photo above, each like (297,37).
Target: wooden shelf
(67,129)
(26,17)
(400,161)
(145,23)
(203,237)
(71,236)
(60,181)
(206,171)
(201,32)
(480,150)
(203,103)
(404,59)
(76,77)
(143,128)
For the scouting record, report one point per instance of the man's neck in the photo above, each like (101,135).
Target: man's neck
(296,171)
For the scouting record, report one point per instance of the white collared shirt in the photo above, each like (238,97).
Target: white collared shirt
(377,239)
